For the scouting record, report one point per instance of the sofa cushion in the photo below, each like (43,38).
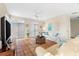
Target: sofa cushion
(48,54)
(71,48)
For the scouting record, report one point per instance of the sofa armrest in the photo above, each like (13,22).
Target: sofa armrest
(40,51)
(48,54)
(53,49)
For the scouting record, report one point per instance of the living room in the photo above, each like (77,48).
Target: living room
(36,29)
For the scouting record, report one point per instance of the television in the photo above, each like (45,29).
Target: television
(8,30)
(5,32)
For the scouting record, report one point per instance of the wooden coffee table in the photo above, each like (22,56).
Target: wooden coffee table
(48,44)
(40,40)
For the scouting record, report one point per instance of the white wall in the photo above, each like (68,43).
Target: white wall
(3,11)
(62,26)
(32,27)
(65,27)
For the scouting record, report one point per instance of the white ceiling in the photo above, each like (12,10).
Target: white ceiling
(43,10)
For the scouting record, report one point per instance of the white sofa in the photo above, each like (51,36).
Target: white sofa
(49,51)
(70,48)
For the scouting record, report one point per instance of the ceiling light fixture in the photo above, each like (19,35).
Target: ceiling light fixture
(37,14)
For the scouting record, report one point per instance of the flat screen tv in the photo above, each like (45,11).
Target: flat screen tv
(8,29)
(5,32)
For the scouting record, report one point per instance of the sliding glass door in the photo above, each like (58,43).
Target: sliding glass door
(17,30)
(33,30)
